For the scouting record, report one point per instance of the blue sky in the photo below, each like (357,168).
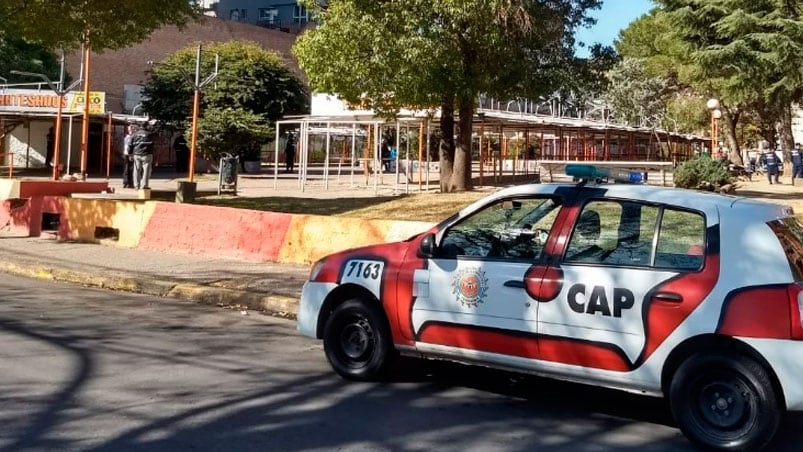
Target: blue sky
(613,16)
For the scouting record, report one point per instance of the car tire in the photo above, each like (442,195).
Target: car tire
(357,341)
(725,402)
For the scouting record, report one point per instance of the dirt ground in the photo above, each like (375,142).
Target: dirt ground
(783,193)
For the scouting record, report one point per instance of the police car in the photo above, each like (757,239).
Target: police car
(692,296)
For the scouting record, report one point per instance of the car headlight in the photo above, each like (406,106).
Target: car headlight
(316,270)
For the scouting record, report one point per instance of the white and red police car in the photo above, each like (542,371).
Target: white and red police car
(693,296)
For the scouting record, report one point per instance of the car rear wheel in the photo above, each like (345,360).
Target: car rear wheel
(725,402)
(357,341)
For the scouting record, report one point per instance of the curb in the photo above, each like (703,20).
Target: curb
(280,305)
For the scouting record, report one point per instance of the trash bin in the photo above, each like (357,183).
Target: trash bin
(227,175)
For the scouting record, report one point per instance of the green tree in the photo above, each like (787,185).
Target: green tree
(253,88)
(653,39)
(238,132)
(18,55)
(101,23)
(430,54)
(635,97)
(748,52)
(585,78)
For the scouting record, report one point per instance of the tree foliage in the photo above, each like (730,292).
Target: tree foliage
(253,88)
(749,53)
(636,97)
(701,172)
(233,131)
(585,79)
(18,55)
(430,54)
(106,24)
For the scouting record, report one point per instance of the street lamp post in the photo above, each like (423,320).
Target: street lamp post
(197,86)
(713,106)
(60,92)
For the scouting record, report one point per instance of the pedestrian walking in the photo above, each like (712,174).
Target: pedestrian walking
(141,146)
(797,162)
(128,157)
(771,162)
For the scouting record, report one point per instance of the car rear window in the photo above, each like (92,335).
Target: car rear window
(790,233)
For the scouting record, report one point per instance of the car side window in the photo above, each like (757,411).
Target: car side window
(681,240)
(513,228)
(613,233)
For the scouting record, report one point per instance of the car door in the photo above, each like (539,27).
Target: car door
(471,293)
(618,256)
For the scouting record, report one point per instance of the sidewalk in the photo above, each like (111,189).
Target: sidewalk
(240,284)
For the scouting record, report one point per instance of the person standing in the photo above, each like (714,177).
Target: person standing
(182,153)
(128,158)
(797,162)
(51,148)
(384,154)
(771,162)
(141,146)
(290,153)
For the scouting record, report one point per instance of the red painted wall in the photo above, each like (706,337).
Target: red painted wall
(216,231)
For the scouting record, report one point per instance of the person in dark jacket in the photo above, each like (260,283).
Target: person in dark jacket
(182,154)
(290,153)
(797,162)
(51,148)
(128,158)
(771,163)
(141,146)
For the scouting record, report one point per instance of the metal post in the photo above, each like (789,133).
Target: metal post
(353,150)
(428,154)
(326,160)
(276,159)
(109,148)
(85,123)
(398,145)
(196,102)
(377,158)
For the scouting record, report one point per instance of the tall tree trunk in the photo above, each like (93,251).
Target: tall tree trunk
(461,176)
(730,119)
(786,137)
(446,149)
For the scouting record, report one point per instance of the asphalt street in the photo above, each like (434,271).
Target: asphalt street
(96,370)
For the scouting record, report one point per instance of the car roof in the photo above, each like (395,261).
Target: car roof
(680,197)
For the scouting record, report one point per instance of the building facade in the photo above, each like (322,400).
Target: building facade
(284,15)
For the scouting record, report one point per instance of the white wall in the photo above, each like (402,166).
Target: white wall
(28,143)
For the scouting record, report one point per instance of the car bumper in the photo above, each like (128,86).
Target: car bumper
(784,356)
(313,294)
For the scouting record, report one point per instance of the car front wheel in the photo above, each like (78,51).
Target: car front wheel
(725,402)
(357,341)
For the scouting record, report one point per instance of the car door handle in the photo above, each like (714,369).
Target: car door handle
(668,297)
(514,283)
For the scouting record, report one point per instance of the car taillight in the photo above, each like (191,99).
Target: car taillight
(796,309)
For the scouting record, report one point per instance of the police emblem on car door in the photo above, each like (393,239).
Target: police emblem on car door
(474,287)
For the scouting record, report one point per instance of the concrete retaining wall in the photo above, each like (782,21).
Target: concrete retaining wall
(203,230)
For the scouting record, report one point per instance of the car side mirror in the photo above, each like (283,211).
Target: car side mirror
(427,247)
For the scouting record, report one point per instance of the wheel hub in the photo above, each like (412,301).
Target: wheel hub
(356,339)
(723,404)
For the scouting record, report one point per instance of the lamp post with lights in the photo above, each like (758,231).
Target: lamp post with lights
(713,106)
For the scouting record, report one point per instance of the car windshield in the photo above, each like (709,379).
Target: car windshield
(513,228)
(790,233)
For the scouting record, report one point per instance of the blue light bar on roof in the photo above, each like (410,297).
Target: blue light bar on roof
(591,172)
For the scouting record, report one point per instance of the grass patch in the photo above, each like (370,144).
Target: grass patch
(431,207)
